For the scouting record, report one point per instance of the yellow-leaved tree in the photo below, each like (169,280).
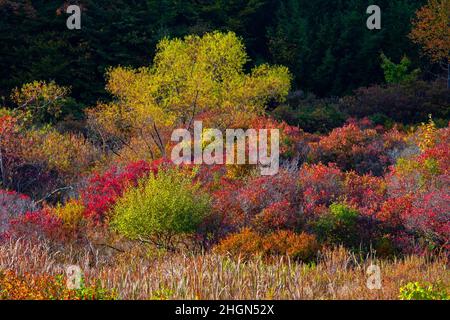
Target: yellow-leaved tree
(191,78)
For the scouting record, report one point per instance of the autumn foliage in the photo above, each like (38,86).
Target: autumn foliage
(393,185)
(248,243)
(431,30)
(109,191)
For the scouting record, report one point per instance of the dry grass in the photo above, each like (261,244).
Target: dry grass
(338,274)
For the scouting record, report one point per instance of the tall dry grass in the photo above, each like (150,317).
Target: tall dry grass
(338,274)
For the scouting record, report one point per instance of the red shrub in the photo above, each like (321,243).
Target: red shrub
(418,211)
(239,204)
(12,205)
(261,192)
(38,224)
(366,192)
(393,210)
(103,190)
(212,177)
(355,147)
(321,185)
(429,218)
(293,140)
(279,215)
(422,218)
(428,171)
(440,154)
(227,211)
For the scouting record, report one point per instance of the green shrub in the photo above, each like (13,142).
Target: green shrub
(344,214)
(339,226)
(398,73)
(159,208)
(416,291)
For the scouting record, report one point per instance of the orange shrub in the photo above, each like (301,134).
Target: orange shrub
(249,243)
(301,246)
(244,244)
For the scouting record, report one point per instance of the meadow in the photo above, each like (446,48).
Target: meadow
(338,274)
